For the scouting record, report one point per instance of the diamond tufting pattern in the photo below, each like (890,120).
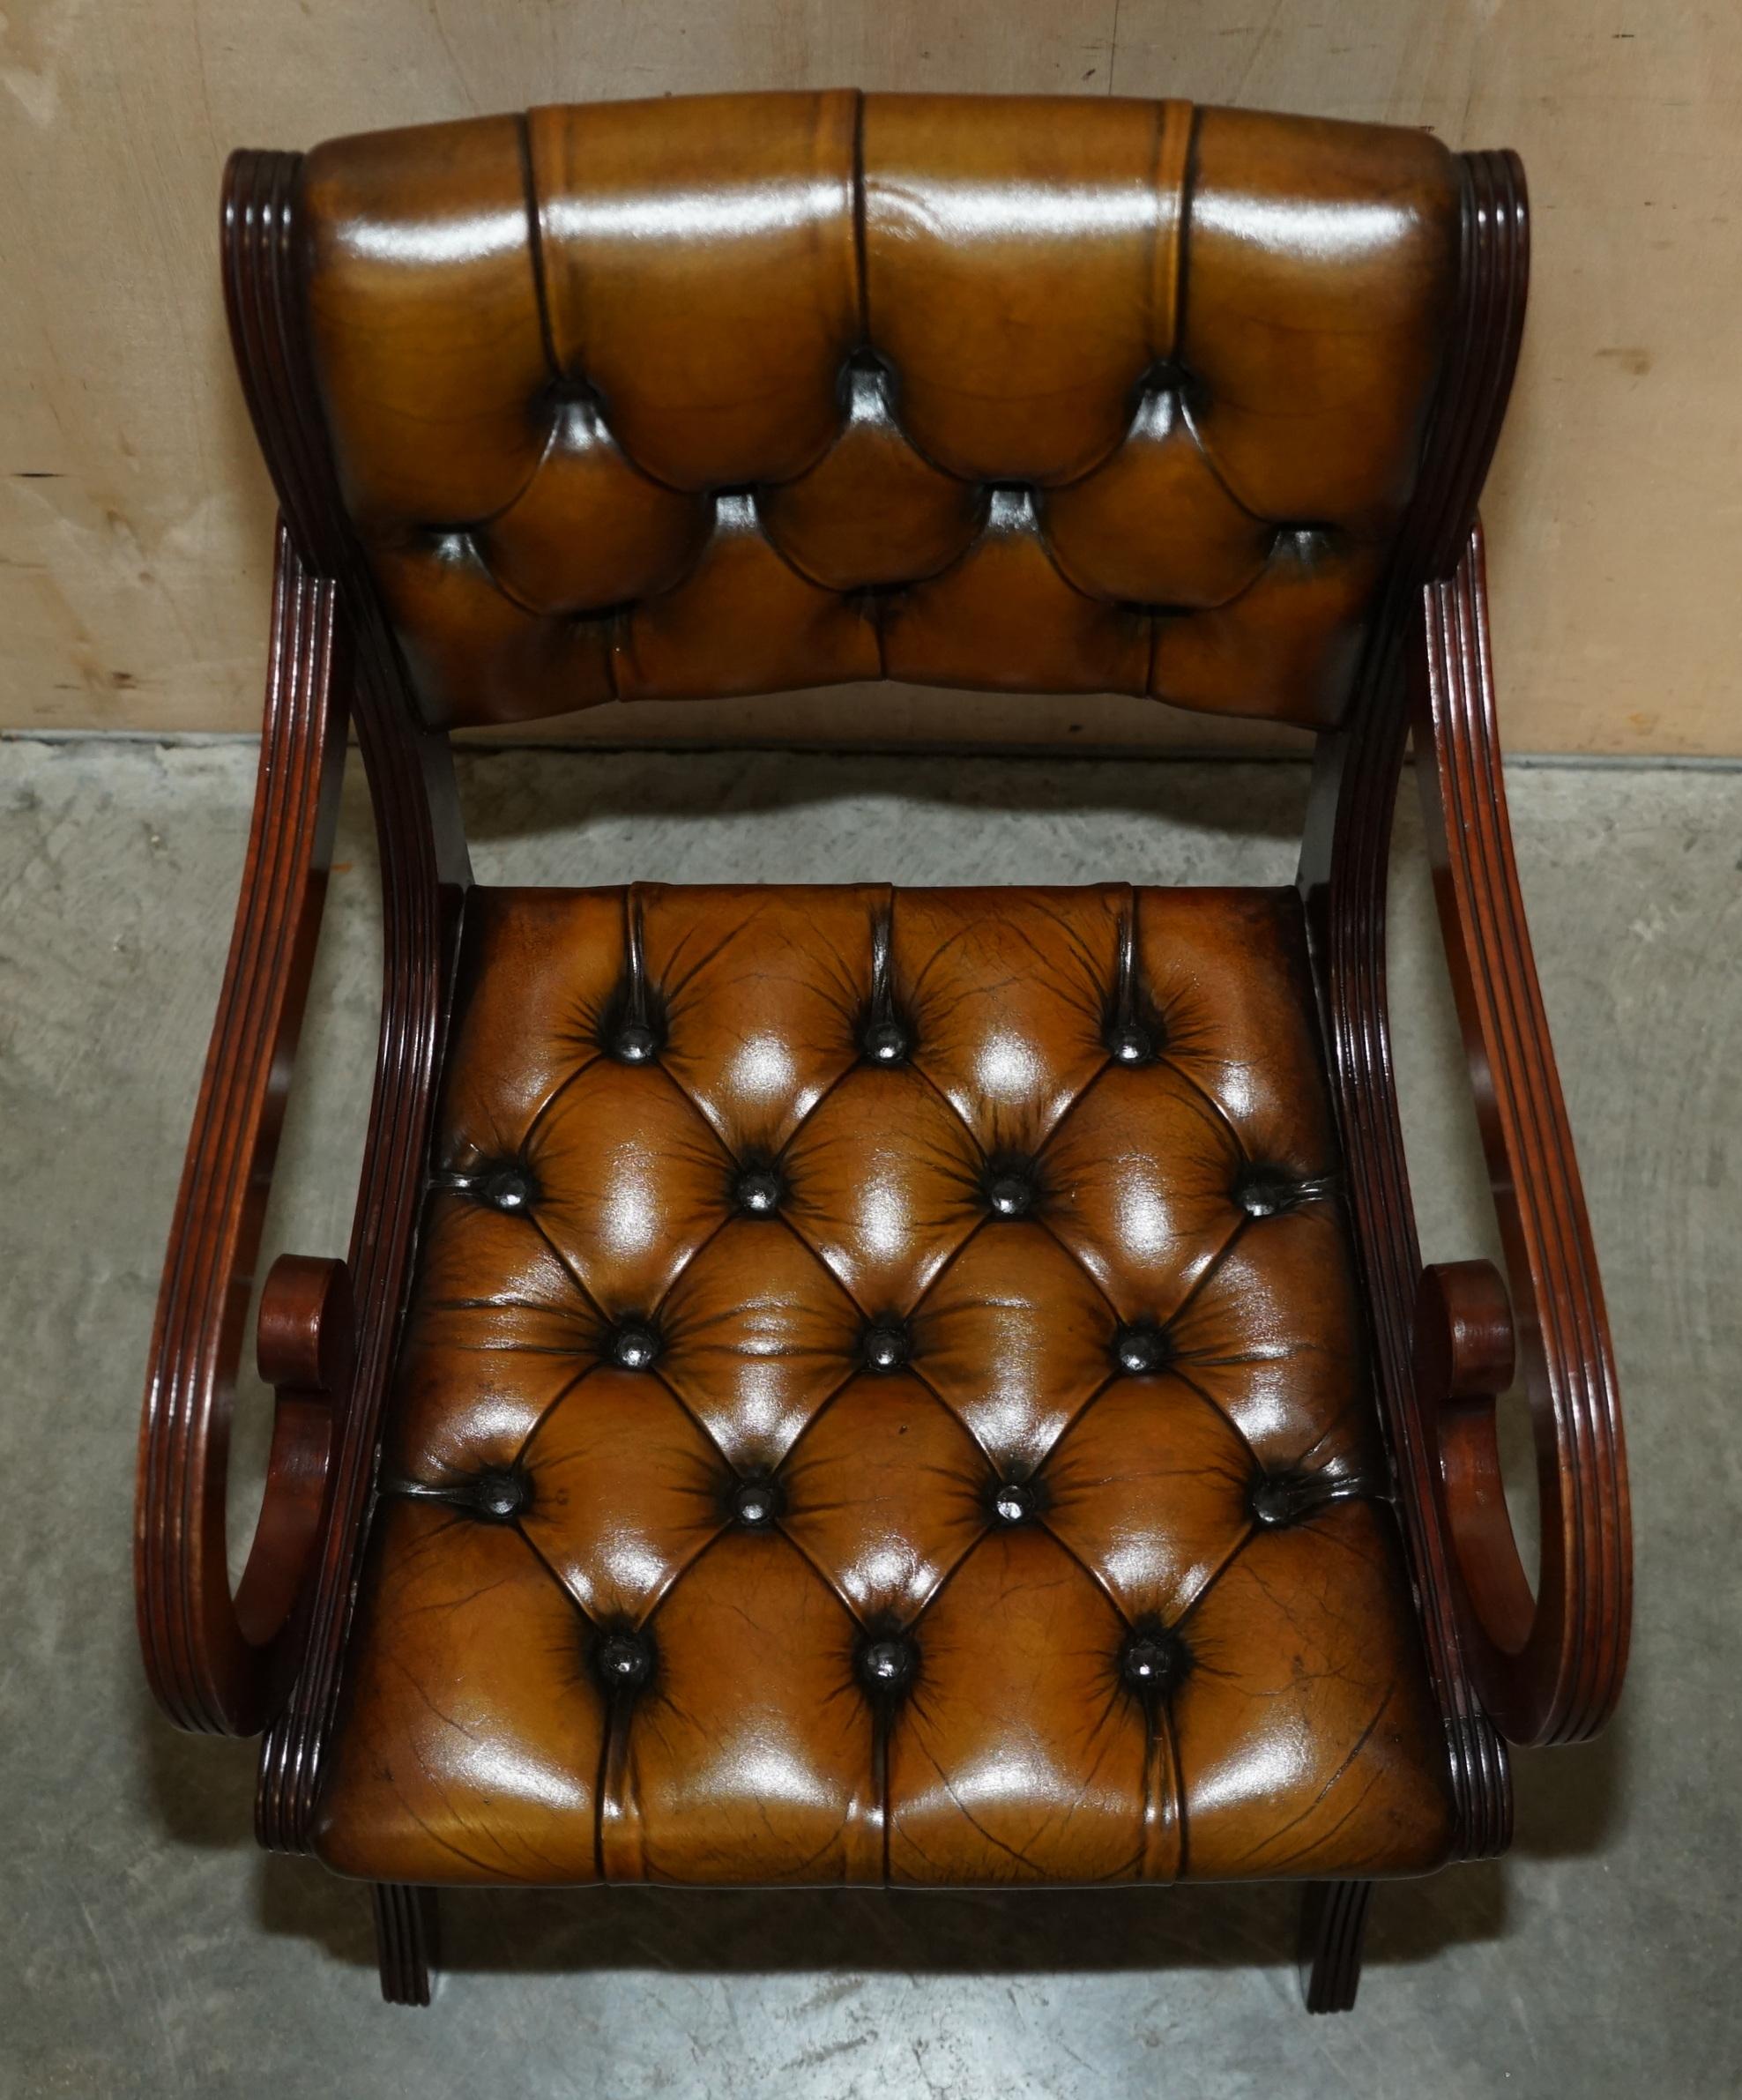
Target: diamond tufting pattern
(884,1400)
(728,394)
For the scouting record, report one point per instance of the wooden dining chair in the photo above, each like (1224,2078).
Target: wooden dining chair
(848,1384)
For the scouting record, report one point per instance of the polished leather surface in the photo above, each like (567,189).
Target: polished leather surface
(884,1398)
(735,393)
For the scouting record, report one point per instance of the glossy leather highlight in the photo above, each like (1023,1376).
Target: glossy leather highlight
(888,1534)
(731,393)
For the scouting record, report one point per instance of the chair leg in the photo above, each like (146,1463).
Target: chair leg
(405,1941)
(1333,1926)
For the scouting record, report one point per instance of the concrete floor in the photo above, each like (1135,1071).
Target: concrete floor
(146,1948)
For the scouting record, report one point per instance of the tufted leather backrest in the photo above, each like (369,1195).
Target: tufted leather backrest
(736,393)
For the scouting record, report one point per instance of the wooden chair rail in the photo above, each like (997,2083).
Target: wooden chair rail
(1548,1668)
(215,1661)
(1345,856)
(424,875)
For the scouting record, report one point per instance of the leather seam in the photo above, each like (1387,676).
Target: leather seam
(859,240)
(535,241)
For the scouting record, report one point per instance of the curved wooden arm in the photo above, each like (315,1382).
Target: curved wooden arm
(217,1662)
(1548,1667)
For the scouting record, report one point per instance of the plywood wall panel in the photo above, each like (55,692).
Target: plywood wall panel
(135,518)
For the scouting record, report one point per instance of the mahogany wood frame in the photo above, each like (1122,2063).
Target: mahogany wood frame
(1506,1666)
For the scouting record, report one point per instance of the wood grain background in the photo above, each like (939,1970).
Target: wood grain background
(135,524)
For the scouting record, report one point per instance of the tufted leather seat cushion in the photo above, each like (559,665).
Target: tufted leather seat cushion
(884,1399)
(733,393)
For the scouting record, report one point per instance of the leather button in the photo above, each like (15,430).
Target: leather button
(1164,376)
(1010,1189)
(885,1346)
(1130,1043)
(553,400)
(1277,1500)
(509,1189)
(886,1042)
(449,543)
(634,1346)
(1263,1191)
(624,1661)
(888,1664)
(865,377)
(635,1043)
(757,1190)
(1140,1348)
(1168,376)
(756,1504)
(1015,1502)
(1152,1660)
(500,1493)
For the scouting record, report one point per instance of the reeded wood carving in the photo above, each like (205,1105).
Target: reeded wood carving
(1333,1933)
(424,875)
(1533,1670)
(1548,1669)
(405,1941)
(1343,873)
(215,1661)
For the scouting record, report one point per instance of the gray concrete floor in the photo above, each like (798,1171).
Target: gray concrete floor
(146,1948)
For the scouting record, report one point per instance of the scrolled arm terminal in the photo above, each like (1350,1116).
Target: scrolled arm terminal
(216,1661)
(1549,1665)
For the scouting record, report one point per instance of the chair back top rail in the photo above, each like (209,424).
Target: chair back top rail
(739,393)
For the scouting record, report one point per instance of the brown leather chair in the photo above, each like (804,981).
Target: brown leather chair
(843,1384)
